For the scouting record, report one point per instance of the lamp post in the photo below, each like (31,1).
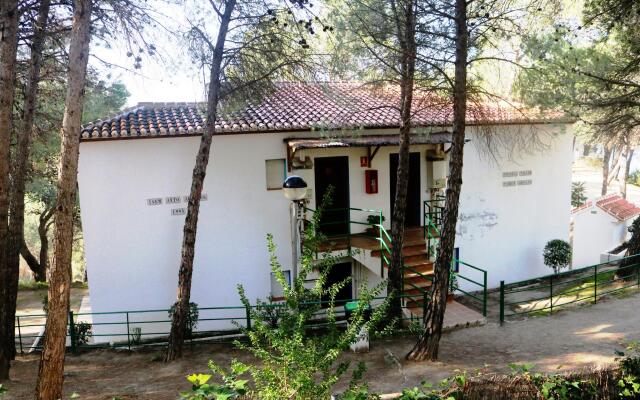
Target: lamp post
(295,189)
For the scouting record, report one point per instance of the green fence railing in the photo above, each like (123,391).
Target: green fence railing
(140,328)
(549,293)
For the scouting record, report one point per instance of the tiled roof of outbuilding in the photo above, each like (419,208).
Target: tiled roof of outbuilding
(298,107)
(618,207)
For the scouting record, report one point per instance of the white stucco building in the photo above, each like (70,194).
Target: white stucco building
(600,226)
(135,172)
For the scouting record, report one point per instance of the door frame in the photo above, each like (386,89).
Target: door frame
(416,156)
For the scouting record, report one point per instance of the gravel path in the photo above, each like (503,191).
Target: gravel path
(571,339)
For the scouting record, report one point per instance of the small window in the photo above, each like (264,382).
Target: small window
(276,173)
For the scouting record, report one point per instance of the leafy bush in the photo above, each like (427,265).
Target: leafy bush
(634,178)
(28,284)
(231,387)
(297,342)
(192,318)
(557,254)
(578,196)
(82,332)
(136,336)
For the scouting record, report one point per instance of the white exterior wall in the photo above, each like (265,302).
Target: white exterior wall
(595,232)
(503,229)
(133,249)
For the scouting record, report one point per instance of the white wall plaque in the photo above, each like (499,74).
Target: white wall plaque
(154,202)
(173,199)
(178,211)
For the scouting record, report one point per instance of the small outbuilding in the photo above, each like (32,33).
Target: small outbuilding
(599,226)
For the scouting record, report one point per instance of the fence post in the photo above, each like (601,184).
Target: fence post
(72,333)
(484,295)
(501,302)
(248,310)
(595,284)
(19,334)
(128,336)
(551,295)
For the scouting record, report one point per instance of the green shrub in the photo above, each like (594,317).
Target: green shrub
(297,342)
(28,284)
(557,254)
(232,387)
(634,178)
(136,336)
(82,331)
(192,318)
(578,196)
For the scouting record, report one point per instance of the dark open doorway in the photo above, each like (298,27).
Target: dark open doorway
(412,216)
(333,172)
(337,274)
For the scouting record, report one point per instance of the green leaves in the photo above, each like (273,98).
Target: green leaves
(231,387)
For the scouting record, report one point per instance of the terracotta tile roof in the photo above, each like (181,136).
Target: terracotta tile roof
(302,107)
(586,205)
(618,207)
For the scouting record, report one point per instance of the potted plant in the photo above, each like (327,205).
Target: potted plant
(557,255)
(374,220)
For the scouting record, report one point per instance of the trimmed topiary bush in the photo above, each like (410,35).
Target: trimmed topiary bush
(557,254)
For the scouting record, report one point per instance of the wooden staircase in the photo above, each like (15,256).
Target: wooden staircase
(417,266)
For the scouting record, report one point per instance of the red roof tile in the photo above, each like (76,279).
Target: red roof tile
(618,207)
(296,107)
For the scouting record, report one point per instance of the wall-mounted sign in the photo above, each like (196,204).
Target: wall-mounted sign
(178,211)
(364,161)
(154,202)
(173,199)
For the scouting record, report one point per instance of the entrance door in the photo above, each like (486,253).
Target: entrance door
(337,274)
(412,216)
(333,172)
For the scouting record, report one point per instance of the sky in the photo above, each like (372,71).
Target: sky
(167,77)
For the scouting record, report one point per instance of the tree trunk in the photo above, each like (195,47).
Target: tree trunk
(19,166)
(625,172)
(427,346)
(408,48)
(40,265)
(8,49)
(50,374)
(605,168)
(179,321)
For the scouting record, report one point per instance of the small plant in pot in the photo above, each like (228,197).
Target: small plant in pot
(373,220)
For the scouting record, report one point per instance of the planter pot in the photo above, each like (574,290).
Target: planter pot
(450,297)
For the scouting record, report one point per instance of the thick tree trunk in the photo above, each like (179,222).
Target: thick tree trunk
(50,374)
(427,346)
(406,38)
(19,165)
(8,49)
(179,321)
(606,159)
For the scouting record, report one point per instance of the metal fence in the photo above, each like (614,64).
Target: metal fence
(546,294)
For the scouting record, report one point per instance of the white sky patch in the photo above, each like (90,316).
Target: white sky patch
(168,76)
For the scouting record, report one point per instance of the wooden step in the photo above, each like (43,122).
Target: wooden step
(409,248)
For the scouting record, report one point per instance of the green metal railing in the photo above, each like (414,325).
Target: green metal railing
(479,293)
(586,284)
(432,217)
(432,222)
(121,325)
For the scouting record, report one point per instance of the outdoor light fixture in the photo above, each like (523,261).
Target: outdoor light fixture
(295,188)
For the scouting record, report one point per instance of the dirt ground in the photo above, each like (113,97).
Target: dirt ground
(569,340)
